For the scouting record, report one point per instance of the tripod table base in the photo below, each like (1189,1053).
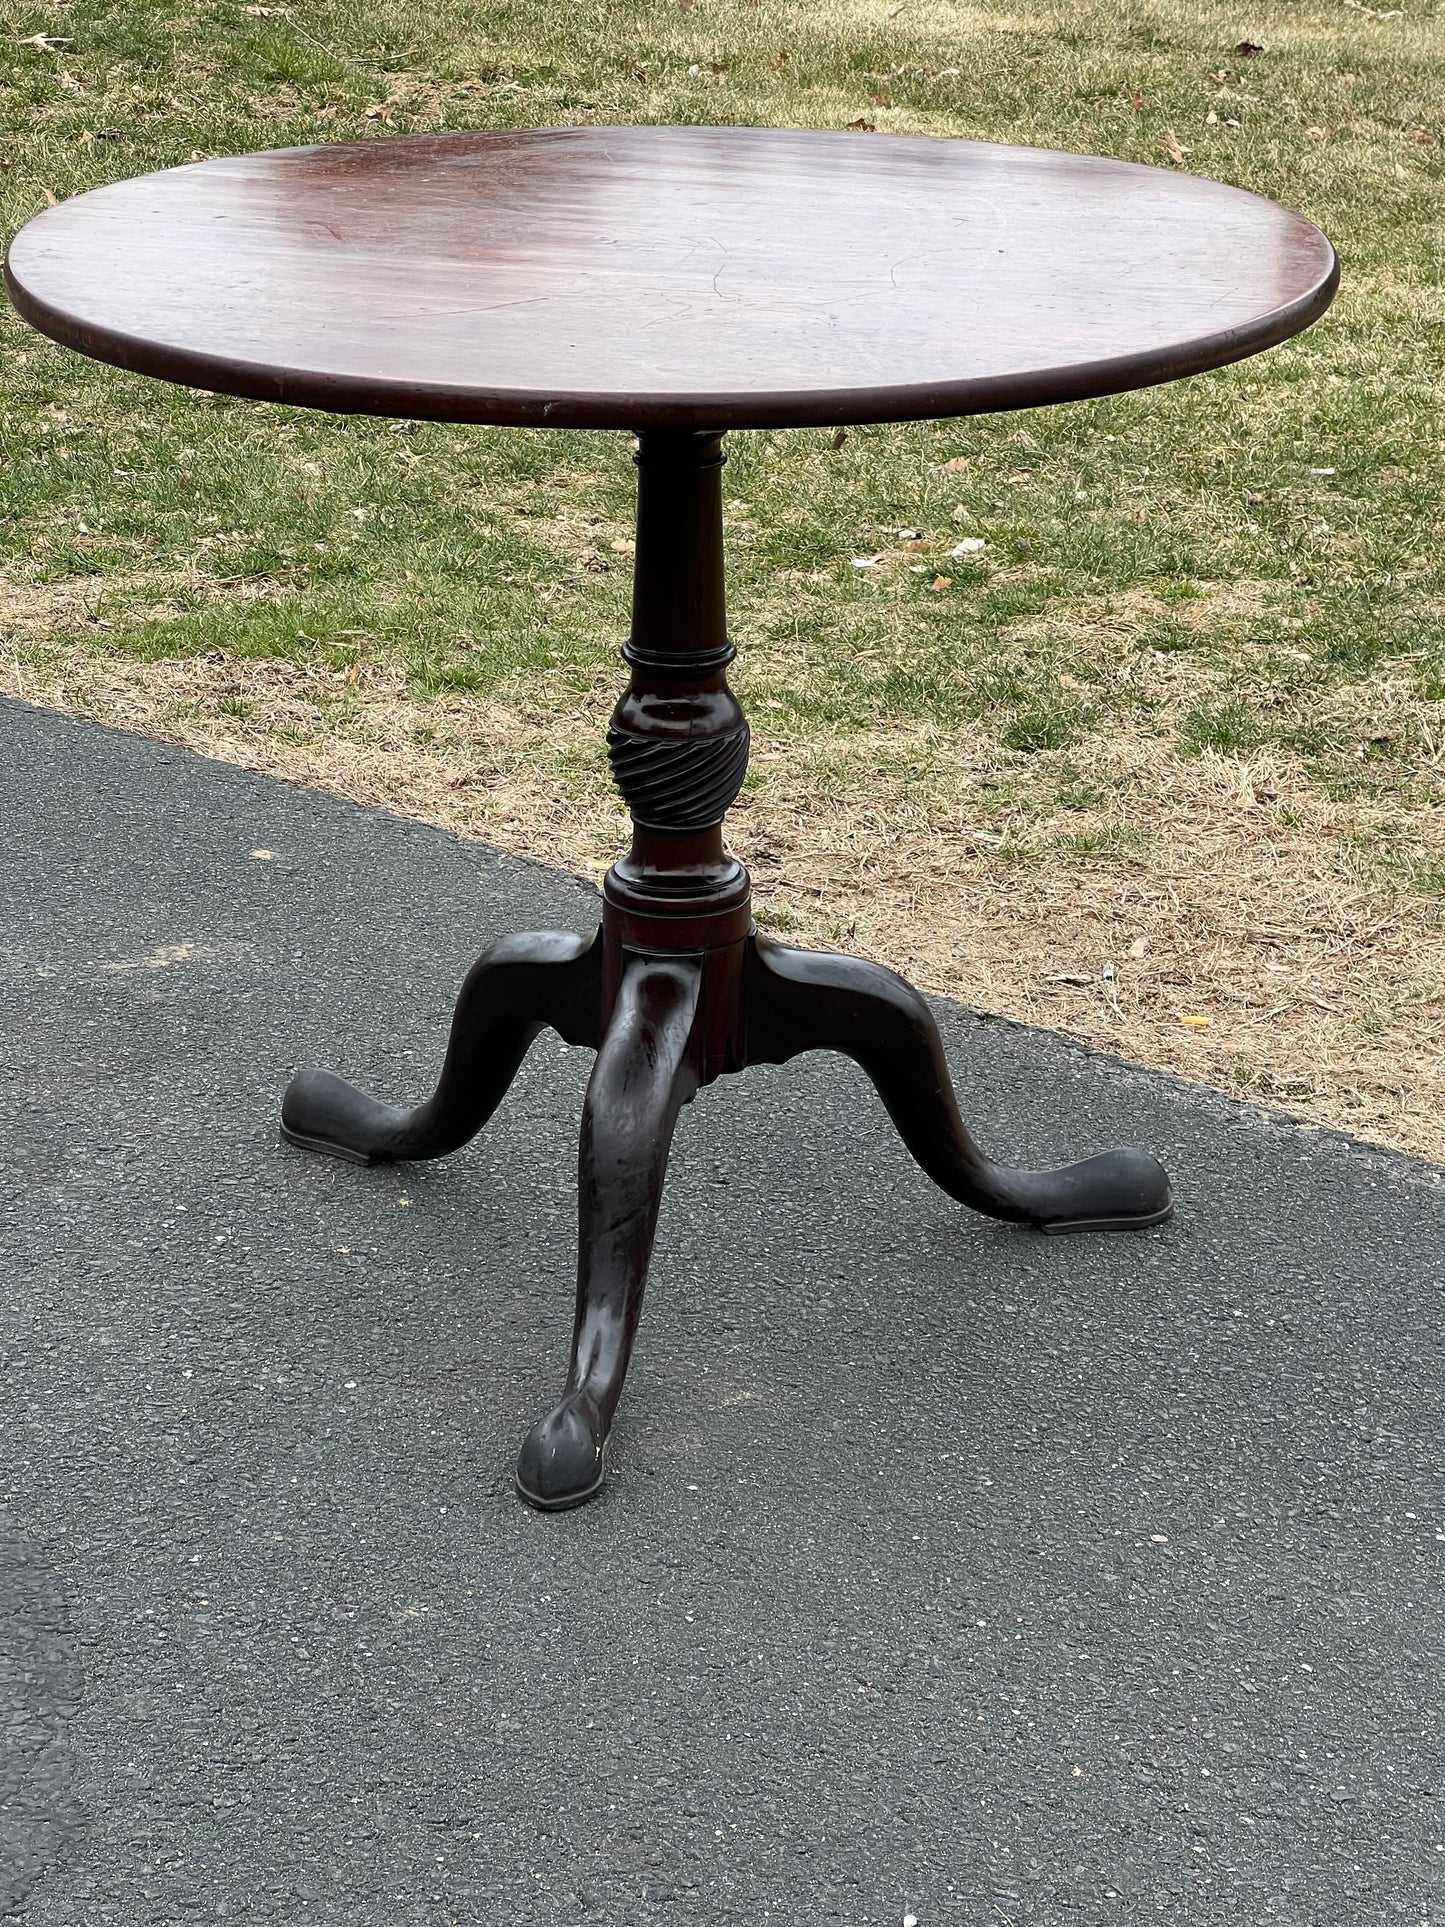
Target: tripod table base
(663,1024)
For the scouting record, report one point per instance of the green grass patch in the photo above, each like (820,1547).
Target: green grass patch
(1116,531)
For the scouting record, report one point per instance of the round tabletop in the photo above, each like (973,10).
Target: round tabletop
(645,277)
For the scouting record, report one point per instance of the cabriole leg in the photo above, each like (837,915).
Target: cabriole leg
(512,993)
(645,1072)
(800,1000)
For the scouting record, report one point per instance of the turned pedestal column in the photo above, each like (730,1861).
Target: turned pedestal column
(677,989)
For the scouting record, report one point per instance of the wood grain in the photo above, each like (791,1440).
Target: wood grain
(669,276)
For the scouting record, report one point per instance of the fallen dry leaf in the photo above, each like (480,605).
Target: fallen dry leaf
(1247,48)
(941,582)
(1138,947)
(1197,1023)
(861,127)
(1172,148)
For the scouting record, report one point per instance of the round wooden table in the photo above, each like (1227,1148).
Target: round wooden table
(674,282)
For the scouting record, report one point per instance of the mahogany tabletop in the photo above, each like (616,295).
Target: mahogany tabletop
(640,277)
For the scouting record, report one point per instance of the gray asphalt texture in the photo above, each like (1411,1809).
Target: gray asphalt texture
(944,1570)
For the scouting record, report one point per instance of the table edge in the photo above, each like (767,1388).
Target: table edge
(812,408)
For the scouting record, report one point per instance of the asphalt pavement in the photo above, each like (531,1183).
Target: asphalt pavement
(945,1571)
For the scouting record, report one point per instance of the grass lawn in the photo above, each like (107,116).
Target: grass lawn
(1182,714)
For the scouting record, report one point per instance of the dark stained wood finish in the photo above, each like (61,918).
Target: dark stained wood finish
(677,281)
(801,1000)
(680,990)
(646,1070)
(511,994)
(669,276)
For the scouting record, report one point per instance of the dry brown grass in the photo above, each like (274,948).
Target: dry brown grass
(996,786)
(1238,944)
